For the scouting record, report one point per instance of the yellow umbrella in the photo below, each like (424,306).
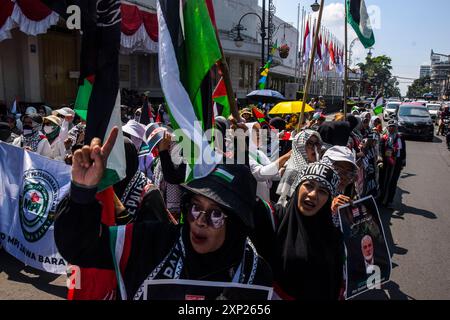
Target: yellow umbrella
(290,107)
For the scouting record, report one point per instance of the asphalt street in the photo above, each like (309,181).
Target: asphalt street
(417,232)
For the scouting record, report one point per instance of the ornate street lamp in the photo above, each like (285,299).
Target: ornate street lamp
(369,54)
(239,41)
(315,6)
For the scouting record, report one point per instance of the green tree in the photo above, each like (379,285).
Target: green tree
(419,87)
(376,72)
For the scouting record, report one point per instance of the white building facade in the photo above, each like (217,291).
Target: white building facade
(45,68)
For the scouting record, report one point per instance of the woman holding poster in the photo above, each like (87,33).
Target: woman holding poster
(309,248)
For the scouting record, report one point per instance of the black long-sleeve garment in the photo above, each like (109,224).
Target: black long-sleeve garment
(172,174)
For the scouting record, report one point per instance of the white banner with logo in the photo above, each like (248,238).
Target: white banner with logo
(31,188)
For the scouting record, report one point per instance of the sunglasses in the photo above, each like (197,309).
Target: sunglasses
(214,218)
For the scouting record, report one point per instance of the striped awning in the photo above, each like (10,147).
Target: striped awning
(139,22)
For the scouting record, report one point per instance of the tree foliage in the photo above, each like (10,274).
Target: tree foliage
(419,87)
(376,72)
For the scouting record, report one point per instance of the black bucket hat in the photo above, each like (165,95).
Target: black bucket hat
(231,186)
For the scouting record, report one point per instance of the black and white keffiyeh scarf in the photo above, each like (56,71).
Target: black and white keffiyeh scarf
(297,162)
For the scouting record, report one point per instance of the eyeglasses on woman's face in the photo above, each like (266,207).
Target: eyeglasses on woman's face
(214,218)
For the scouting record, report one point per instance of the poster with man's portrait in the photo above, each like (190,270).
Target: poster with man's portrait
(368,261)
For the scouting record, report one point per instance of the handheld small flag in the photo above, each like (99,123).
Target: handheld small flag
(378,105)
(220,96)
(260,117)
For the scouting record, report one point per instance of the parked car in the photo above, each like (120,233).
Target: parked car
(422,102)
(434,109)
(390,111)
(414,121)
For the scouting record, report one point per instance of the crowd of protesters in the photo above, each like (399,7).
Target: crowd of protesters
(270,221)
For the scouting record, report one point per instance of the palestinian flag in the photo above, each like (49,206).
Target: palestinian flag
(120,238)
(188,50)
(98,99)
(359,19)
(378,105)
(146,113)
(259,116)
(220,97)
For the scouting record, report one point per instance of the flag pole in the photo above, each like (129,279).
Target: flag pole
(302,48)
(346,62)
(223,67)
(298,41)
(311,64)
(225,70)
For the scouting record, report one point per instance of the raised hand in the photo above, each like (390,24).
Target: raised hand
(339,201)
(89,163)
(165,143)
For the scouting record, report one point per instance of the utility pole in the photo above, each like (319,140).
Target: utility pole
(263,27)
(298,41)
(311,64)
(346,63)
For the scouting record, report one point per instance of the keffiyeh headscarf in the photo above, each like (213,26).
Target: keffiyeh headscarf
(322,173)
(297,162)
(171,193)
(32,141)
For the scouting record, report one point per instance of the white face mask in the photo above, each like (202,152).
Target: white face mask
(27,132)
(48,129)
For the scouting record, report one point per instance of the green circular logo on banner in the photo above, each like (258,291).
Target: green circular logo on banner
(37,204)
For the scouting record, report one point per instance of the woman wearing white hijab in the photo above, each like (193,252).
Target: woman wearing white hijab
(136,132)
(263,170)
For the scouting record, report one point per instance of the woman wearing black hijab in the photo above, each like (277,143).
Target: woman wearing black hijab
(212,245)
(140,200)
(309,249)
(337,133)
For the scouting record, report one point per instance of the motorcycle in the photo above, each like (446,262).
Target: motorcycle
(446,130)
(446,126)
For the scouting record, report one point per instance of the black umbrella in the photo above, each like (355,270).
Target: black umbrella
(266,96)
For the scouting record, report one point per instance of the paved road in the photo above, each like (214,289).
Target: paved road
(18,282)
(417,233)
(418,230)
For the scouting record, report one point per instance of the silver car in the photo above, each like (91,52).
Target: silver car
(434,109)
(390,111)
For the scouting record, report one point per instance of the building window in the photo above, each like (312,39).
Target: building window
(148,73)
(124,72)
(246,75)
(277,84)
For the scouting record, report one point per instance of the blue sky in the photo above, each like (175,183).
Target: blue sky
(408,29)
